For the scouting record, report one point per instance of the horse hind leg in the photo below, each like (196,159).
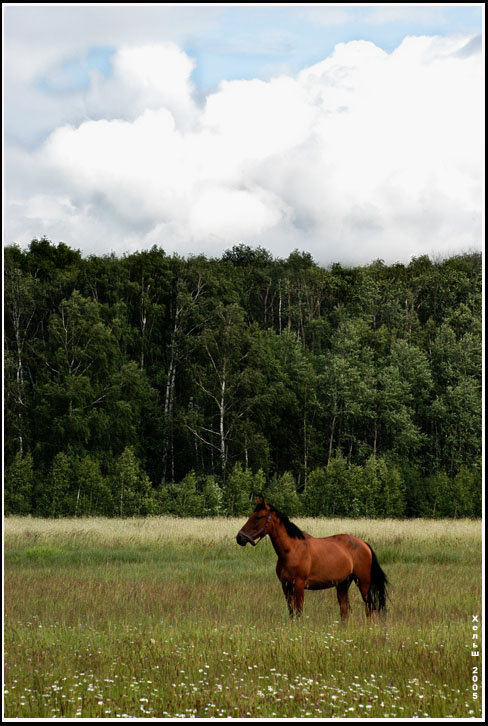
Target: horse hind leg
(365,590)
(343,597)
(373,584)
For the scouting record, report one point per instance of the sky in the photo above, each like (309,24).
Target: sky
(352,132)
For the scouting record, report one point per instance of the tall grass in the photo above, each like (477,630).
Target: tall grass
(163,617)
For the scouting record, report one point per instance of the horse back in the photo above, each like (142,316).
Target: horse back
(358,549)
(335,558)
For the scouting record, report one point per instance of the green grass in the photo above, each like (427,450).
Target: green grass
(170,618)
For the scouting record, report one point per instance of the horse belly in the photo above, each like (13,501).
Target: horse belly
(319,584)
(329,567)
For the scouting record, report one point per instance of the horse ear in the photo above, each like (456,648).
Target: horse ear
(260,499)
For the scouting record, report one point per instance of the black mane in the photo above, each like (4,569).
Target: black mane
(291,529)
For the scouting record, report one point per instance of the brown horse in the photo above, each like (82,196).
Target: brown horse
(316,563)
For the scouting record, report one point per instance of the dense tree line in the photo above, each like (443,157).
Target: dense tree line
(153,383)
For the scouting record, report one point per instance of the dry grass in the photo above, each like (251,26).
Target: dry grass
(108,532)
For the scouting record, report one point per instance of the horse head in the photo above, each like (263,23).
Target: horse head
(256,526)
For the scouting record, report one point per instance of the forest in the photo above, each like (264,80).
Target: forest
(156,384)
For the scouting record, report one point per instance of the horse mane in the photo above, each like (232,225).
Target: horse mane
(291,529)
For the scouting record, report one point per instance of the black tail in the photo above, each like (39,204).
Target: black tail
(378,589)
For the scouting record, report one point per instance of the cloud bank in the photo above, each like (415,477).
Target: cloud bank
(364,155)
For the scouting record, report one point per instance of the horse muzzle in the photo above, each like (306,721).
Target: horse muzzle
(243,538)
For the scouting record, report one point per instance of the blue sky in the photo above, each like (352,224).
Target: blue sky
(150,78)
(257,42)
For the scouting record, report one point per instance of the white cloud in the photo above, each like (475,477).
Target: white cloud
(226,213)
(147,78)
(364,155)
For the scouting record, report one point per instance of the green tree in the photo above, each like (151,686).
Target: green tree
(456,495)
(457,417)
(237,491)
(188,500)
(19,479)
(437,488)
(316,496)
(342,494)
(415,490)
(227,384)
(477,491)
(282,493)
(56,497)
(347,389)
(381,489)
(92,491)
(196,364)
(131,488)
(21,296)
(80,353)
(211,497)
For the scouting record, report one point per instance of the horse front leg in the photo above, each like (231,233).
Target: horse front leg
(288,592)
(298,597)
(294,593)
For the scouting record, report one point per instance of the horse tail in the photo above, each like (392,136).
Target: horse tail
(378,589)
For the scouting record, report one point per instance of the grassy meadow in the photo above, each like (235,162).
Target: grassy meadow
(165,617)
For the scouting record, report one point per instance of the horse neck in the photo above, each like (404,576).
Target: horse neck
(280,539)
